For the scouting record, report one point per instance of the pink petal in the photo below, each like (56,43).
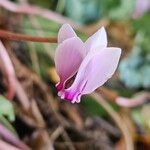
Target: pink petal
(68,58)
(94,71)
(65,32)
(98,39)
(101,68)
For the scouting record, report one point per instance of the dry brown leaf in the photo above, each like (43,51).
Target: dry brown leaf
(120,145)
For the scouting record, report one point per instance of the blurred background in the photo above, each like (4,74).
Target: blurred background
(35,117)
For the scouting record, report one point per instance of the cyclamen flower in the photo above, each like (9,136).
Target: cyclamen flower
(88,64)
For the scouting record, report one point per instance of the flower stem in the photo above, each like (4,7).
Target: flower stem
(21,37)
(118,120)
(9,137)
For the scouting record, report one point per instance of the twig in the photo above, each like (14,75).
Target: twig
(22,97)
(107,126)
(34,58)
(37,114)
(21,37)
(56,133)
(62,123)
(124,129)
(67,138)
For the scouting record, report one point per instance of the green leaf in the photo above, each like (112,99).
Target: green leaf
(44,3)
(94,109)
(142,24)
(124,11)
(87,11)
(84,11)
(137,117)
(6,108)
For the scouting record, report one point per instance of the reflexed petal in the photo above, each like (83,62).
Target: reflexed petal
(94,71)
(65,32)
(100,68)
(68,58)
(98,39)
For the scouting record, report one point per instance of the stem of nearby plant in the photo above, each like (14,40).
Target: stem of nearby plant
(21,37)
(9,137)
(124,129)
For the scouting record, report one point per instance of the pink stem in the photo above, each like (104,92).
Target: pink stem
(9,137)
(9,70)
(133,102)
(6,146)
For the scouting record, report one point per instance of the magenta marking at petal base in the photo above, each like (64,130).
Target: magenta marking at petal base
(72,96)
(59,86)
(69,95)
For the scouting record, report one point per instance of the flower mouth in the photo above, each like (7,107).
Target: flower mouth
(69,82)
(61,85)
